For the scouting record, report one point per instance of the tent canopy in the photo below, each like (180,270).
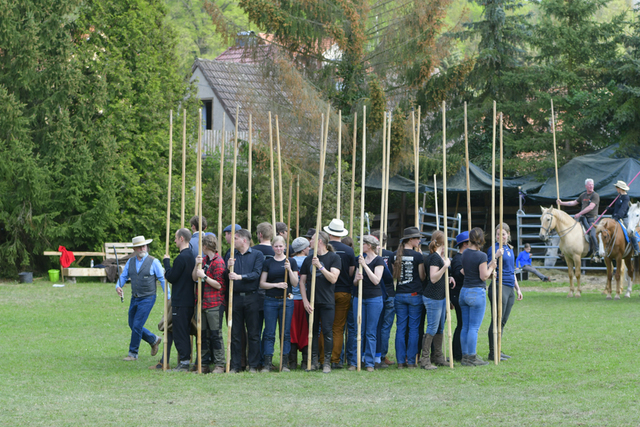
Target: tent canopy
(396,183)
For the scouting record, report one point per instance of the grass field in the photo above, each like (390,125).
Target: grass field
(575,362)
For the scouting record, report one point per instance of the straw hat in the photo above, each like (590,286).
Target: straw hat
(621,185)
(336,228)
(411,233)
(140,241)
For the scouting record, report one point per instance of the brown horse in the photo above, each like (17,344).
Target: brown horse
(573,242)
(613,245)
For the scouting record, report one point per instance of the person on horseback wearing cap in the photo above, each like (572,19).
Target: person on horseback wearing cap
(620,210)
(589,201)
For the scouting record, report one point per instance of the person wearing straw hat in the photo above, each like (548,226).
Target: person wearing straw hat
(408,274)
(620,210)
(343,286)
(144,271)
(588,201)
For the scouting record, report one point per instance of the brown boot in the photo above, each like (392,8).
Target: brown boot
(437,357)
(425,360)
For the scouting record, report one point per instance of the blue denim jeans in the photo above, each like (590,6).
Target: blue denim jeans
(139,310)
(436,314)
(389,315)
(408,311)
(371,309)
(472,304)
(273,315)
(352,336)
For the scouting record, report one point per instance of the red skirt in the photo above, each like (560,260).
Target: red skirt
(299,325)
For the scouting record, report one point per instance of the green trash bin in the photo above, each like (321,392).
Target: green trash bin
(54,275)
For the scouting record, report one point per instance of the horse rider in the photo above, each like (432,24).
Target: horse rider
(620,210)
(589,201)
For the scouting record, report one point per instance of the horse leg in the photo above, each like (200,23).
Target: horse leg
(570,271)
(628,276)
(577,264)
(609,265)
(619,266)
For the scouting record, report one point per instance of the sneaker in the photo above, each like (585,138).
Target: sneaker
(506,356)
(352,368)
(182,367)
(466,360)
(336,366)
(326,369)
(155,346)
(412,366)
(490,357)
(401,366)
(253,370)
(218,370)
(381,366)
(477,361)
(370,369)
(130,358)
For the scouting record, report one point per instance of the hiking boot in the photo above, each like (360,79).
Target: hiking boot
(412,366)
(155,346)
(285,365)
(267,364)
(388,362)
(182,367)
(352,368)
(293,357)
(425,357)
(314,362)
(130,358)
(218,370)
(370,369)
(326,367)
(477,361)
(381,366)
(336,365)
(466,360)
(401,365)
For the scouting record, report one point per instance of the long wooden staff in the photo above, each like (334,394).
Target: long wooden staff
(184,163)
(383,179)
(286,273)
(502,242)
(232,250)
(279,175)
(466,159)
(353,170)
(272,176)
(417,167)
(415,171)
(493,238)
(197,186)
(386,180)
(323,148)
(166,247)
(555,152)
(362,187)
(446,234)
(250,175)
(435,194)
(199,205)
(222,158)
(297,206)
(339,163)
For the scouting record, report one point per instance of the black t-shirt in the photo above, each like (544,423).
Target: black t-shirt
(434,290)
(456,272)
(388,284)
(348,259)
(369,290)
(585,200)
(471,260)
(409,281)
(268,252)
(324,288)
(275,274)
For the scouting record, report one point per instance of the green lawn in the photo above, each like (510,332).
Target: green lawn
(575,362)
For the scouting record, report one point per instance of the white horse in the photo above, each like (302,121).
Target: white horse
(633,218)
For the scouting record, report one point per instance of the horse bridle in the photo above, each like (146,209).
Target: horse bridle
(560,233)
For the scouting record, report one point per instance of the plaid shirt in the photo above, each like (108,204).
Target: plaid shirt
(214,268)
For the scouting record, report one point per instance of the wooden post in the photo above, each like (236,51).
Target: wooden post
(435,194)
(353,170)
(184,163)
(220,206)
(286,255)
(197,187)
(199,205)
(323,149)
(165,362)
(250,174)
(232,253)
(555,152)
(339,164)
(418,168)
(493,238)
(466,159)
(272,176)
(362,188)
(388,169)
(501,261)
(416,171)
(279,176)
(298,206)
(383,179)
(449,346)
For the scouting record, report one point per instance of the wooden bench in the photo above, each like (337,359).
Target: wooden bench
(110,251)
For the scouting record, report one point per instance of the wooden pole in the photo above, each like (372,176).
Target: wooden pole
(323,149)
(272,176)
(279,175)
(165,362)
(220,206)
(199,204)
(232,253)
(496,357)
(449,346)
(388,169)
(383,179)
(353,170)
(184,163)
(502,242)
(339,163)
(250,174)
(416,171)
(418,168)
(286,255)
(466,159)
(555,151)
(435,194)
(362,187)
(298,206)
(197,177)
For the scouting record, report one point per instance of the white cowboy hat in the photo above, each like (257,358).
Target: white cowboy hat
(621,185)
(140,241)
(336,228)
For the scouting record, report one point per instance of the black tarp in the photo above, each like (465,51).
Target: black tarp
(396,183)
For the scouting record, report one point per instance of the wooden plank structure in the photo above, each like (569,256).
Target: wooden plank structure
(110,251)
